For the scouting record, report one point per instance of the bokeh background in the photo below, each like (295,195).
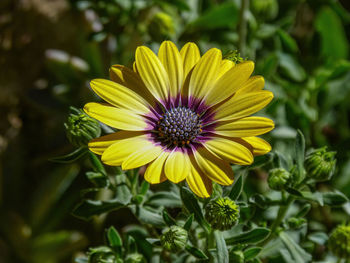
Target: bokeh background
(50,49)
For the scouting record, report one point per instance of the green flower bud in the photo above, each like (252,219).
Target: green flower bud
(101,255)
(237,256)
(339,242)
(222,213)
(234,56)
(135,258)
(80,128)
(174,238)
(296,223)
(278,179)
(320,164)
(266,9)
(161,26)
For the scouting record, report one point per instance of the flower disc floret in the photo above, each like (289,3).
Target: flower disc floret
(222,213)
(339,242)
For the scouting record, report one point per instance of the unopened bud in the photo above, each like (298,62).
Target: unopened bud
(101,254)
(222,213)
(339,242)
(234,56)
(320,164)
(278,179)
(81,128)
(237,256)
(174,238)
(135,258)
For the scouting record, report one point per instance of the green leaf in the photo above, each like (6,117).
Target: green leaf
(131,245)
(70,157)
(219,16)
(196,252)
(288,41)
(303,211)
(100,180)
(222,251)
(123,193)
(252,253)
(191,204)
(251,237)
(96,163)
(319,238)
(335,198)
(148,215)
(154,241)
(144,187)
(169,221)
(166,199)
(236,189)
(89,208)
(188,223)
(114,240)
(300,154)
(333,38)
(298,254)
(290,67)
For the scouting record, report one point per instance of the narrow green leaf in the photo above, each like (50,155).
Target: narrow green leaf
(196,252)
(298,254)
(334,198)
(148,215)
(114,240)
(319,238)
(236,189)
(300,154)
(251,253)
(191,204)
(89,208)
(303,211)
(222,251)
(154,241)
(288,41)
(96,163)
(251,237)
(131,245)
(169,221)
(188,223)
(144,187)
(71,157)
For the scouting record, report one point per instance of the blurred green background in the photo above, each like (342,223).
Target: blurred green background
(49,50)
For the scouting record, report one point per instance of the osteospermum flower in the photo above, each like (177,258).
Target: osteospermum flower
(184,116)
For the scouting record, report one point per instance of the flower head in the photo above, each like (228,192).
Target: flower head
(81,128)
(174,238)
(320,164)
(339,241)
(222,213)
(184,116)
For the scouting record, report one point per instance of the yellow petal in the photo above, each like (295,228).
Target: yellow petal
(117,118)
(205,73)
(142,156)
(120,150)
(152,73)
(253,84)
(172,62)
(259,145)
(155,170)
(215,168)
(229,150)
(198,182)
(190,56)
(177,166)
(245,127)
(243,105)
(128,78)
(99,145)
(225,66)
(120,96)
(230,82)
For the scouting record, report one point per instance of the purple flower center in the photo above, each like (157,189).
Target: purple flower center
(179,126)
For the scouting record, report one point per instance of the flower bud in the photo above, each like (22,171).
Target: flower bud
(320,164)
(81,128)
(222,213)
(174,238)
(278,179)
(237,256)
(339,242)
(234,56)
(161,26)
(101,254)
(135,258)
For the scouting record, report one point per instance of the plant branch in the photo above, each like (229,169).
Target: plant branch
(243,26)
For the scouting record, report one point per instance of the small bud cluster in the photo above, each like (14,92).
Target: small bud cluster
(320,164)
(234,56)
(174,238)
(80,128)
(222,213)
(339,242)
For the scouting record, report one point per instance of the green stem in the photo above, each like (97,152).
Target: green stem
(210,244)
(243,26)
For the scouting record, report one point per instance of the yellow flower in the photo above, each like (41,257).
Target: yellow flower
(184,116)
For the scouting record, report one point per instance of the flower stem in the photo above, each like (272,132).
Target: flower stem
(243,26)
